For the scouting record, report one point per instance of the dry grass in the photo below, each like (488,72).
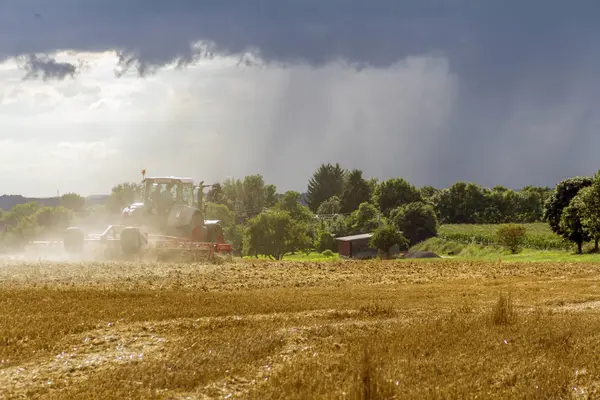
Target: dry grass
(256,329)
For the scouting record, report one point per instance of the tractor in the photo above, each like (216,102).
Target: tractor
(168,220)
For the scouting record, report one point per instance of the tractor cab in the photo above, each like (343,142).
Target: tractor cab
(164,192)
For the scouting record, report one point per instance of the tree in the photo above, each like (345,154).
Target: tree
(462,203)
(234,234)
(326,182)
(274,233)
(394,193)
(337,226)
(386,237)
(216,195)
(356,191)
(123,195)
(530,207)
(233,195)
(417,221)
(72,201)
(22,211)
(543,192)
(511,236)
(560,198)
(428,193)
(330,206)
(220,212)
(254,195)
(571,226)
(290,202)
(365,219)
(270,195)
(587,201)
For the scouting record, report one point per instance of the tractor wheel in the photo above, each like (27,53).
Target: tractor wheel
(73,240)
(131,240)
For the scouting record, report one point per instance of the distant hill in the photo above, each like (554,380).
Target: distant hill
(9,201)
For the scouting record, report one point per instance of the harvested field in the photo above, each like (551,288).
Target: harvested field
(413,329)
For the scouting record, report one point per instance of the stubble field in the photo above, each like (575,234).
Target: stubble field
(257,329)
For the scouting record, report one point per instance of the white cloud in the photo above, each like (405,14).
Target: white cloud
(214,120)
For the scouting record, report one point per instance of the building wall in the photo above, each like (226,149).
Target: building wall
(360,245)
(344,248)
(353,248)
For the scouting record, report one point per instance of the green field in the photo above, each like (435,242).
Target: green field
(478,242)
(538,237)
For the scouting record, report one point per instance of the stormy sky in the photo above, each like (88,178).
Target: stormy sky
(496,92)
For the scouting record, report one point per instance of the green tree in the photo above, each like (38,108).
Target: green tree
(571,227)
(394,193)
(332,205)
(72,201)
(364,220)
(337,225)
(462,203)
(216,195)
(220,212)
(560,198)
(254,195)
(274,233)
(511,236)
(22,211)
(290,202)
(428,193)
(233,195)
(21,232)
(417,221)
(543,192)
(326,182)
(123,195)
(270,195)
(530,207)
(53,218)
(386,237)
(587,201)
(234,234)
(356,191)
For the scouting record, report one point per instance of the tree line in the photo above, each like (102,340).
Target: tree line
(258,220)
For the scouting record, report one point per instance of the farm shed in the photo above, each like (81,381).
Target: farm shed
(356,246)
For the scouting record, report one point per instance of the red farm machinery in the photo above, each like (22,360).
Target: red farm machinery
(169,222)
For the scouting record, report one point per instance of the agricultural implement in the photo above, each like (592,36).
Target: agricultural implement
(167,223)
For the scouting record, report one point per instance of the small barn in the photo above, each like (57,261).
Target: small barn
(356,246)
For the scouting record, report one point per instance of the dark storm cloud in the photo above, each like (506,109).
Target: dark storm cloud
(526,71)
(48,68)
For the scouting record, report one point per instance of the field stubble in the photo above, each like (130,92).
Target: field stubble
(259,329)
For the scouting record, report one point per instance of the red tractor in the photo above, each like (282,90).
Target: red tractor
(169,219)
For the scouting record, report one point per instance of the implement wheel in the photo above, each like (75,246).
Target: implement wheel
(131,240)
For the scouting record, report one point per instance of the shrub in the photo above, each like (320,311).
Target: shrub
(511,236)
(327,253)
(325,241)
